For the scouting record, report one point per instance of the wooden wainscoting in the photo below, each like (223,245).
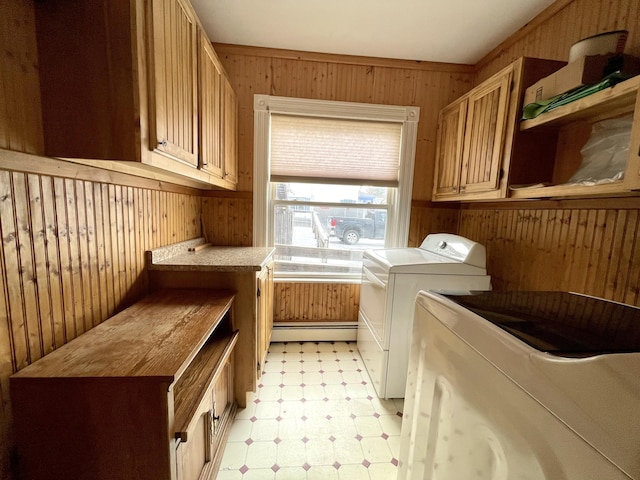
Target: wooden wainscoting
(72,255)
(227,218)
(590,247)
(427,218)
(316,302)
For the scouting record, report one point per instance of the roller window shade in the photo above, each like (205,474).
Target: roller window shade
(328,150)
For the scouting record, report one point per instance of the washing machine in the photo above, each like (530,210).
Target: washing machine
(522,385)
(391,279)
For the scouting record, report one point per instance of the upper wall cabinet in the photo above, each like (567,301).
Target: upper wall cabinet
(211,108)
(230,112)
(476,134)
(485,130)
(218,117)
(451,126)
(173,79)
(124,81)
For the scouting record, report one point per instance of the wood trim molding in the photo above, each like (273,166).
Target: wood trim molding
(431,204)
(28,163)
(619,203)
(225,48)
(240,195)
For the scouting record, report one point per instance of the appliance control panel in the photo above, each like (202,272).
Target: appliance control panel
(457,248)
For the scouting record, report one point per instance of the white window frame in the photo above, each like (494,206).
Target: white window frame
(264,105)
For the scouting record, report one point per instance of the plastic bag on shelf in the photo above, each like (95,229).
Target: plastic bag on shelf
(604,156)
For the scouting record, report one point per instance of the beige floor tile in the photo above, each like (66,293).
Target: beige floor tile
(354,472)
(291,453)
(261,455)
(322,473)
(383,471)
(347,451)
(235,456)
(376,449)
(240,430)
(319,452)
(291,473)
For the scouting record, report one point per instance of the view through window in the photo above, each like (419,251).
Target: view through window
(324,228)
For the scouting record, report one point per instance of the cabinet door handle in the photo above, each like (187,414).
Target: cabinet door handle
(214,420)
(162,143)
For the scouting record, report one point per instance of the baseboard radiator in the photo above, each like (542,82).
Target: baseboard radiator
(314,332)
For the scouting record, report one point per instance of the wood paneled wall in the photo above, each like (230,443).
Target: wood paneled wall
(227,219)
(426,218)
(589,247)
(315,302)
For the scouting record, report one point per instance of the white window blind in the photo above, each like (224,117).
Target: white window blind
(332,150)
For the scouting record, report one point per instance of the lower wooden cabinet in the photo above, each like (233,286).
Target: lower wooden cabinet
(265,314)
(146,395)
(199,456)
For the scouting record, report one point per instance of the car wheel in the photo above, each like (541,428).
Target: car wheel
(351,237)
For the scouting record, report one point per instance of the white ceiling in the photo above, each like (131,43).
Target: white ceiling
(453,31)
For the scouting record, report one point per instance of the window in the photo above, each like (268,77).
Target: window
(331,179)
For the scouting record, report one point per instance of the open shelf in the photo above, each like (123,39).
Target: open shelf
(568,190)
(606,103)
(559,136)
(194,383)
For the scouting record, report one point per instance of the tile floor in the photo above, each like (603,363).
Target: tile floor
(315,415)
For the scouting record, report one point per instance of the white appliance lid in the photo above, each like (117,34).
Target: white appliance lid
(439,254)
(560,323)
(457,248)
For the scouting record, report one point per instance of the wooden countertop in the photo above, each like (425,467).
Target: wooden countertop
(177,257)
(135,342)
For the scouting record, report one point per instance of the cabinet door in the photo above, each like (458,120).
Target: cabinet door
(230,132)
(194,458)
(222,406)
(265,313)
(451,126)
(210,108)
(173,80)
(269,302)
(485,135)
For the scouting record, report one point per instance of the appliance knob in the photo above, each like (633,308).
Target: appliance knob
(442,244)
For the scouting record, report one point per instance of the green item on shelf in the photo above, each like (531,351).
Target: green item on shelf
(532,110)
